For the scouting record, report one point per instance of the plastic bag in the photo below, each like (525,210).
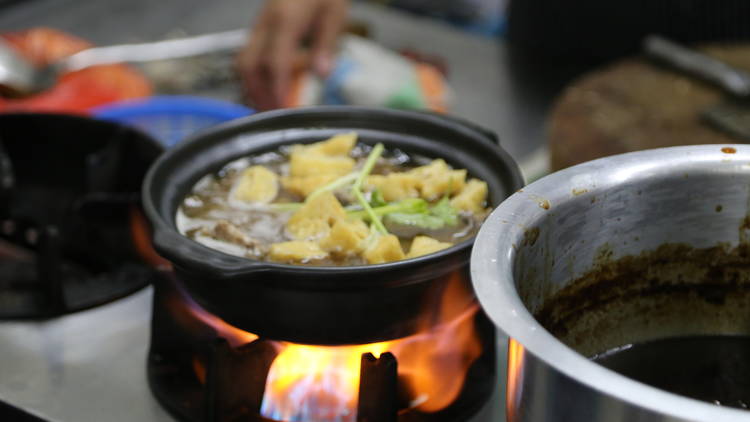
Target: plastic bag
(368,74)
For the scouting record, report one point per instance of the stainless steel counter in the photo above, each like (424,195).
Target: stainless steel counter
(88,366)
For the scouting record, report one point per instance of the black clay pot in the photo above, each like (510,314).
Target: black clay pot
(320,305)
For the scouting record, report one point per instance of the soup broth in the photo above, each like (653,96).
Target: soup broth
(335,202)
(713,368)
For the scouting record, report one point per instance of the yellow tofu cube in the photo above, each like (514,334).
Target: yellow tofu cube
(256,184)
(315,218)
(296,251)
(309,229)
(340,144)
(345,237)
(437,166)
(302,164)
(436,186)
(324,206)
(423,245)
(438,178)
(304,186)
(395,186)
(472,197)
(385,248)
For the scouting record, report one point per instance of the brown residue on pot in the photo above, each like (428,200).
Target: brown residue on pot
(745,223)
(604,254)
(744,230)
(581,191)
(728,150)
(652,295)
(530,236)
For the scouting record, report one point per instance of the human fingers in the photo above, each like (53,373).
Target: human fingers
(261,91)
(257,90)
(330,24)
(250,64)
(282,51)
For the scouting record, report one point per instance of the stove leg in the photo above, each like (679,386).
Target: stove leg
(236,379)
(378,389)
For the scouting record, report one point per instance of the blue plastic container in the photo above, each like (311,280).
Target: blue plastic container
(171,118)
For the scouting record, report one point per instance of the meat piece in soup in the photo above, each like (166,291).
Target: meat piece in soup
(334,202)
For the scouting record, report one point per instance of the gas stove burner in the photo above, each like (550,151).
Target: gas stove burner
(69,209)
(247,340)
(202,369)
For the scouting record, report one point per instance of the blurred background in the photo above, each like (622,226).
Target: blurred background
(559,84)
(463,37)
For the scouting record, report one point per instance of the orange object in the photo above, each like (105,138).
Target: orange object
(140,233)
(433,86)
(75,92)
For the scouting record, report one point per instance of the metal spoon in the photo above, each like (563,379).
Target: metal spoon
(20,77)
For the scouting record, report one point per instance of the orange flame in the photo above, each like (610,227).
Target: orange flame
(186,314)
(316,383)
(321,383)
(435,363)
(515,372)
(140,235)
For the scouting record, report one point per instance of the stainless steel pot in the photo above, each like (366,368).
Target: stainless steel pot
(553,231)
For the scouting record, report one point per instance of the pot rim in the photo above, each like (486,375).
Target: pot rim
(229,264)
(493,259)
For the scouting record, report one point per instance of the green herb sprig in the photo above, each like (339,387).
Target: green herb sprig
(372,158)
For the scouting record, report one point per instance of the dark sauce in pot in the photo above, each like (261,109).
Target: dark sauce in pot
(713,368)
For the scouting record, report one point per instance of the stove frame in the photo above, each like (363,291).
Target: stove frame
(69,207)
(183,346)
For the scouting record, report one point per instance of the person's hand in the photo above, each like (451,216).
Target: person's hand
(277,41)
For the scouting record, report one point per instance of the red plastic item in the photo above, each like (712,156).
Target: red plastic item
(75,92)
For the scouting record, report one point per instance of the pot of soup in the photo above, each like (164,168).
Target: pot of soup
(332,225)
(624,284)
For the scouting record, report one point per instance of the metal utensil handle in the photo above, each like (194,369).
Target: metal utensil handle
(160,50)
(15,71)
(730,79)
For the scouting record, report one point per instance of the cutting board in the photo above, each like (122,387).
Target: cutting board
(633,105)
